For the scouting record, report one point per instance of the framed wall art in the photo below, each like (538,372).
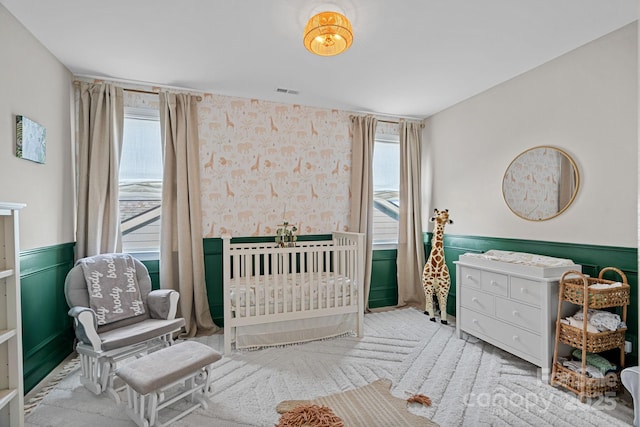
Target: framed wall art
(30,140)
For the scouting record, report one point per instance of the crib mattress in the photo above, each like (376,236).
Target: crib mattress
(300,290)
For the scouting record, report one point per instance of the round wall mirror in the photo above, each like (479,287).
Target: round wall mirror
(540,183)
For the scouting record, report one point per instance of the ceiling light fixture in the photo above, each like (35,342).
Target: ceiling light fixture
(328,34)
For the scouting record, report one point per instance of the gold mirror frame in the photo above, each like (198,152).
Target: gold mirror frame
(540,183)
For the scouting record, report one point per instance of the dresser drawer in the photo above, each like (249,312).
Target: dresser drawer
(520,314)
(470,277)
(495,283)
(526,290)
(478,301)
(529,345)
(486,281)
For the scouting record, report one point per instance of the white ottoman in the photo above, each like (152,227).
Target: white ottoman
(159,379)
(630,377)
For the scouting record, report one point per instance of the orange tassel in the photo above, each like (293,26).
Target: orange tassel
(420,398)
(316,415)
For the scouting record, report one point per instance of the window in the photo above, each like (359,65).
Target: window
(140,181)
(386,189)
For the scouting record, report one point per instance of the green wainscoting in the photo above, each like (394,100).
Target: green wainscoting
(213,278)
(384,279)
(592,258)
(153,266)
(47,330)
(48,333)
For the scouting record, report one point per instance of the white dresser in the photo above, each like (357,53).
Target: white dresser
(511,306)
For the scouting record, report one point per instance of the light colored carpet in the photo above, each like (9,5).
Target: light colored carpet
(370,405)
(471,383)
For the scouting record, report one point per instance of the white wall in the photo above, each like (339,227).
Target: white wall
(584,102)
(35,84)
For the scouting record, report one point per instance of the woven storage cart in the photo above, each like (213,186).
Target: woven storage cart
(582,385)
(595,341)
(575,289)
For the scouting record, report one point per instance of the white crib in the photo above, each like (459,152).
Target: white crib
(275,296)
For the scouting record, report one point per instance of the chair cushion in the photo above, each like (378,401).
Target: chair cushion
(138,332)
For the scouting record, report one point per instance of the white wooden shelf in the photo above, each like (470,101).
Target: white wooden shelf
(6,335)
(12,396)
(6,273)
(7,395)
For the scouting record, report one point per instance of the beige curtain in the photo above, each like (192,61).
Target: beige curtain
(361,210)
(181,253)
(566,182)
(411,256)
(99,145)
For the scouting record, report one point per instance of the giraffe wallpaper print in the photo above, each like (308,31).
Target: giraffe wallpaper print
(263,163)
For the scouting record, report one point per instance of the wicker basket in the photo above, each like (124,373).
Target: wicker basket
(596,341)
(582,385)
(573,290)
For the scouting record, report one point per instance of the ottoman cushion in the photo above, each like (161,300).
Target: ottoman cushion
(165,366)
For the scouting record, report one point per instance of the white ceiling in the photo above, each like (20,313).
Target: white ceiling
(409,57)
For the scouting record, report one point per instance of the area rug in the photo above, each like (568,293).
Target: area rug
(50,383)
(371,405)
(470,382)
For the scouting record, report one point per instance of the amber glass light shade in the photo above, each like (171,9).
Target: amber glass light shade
(328,34)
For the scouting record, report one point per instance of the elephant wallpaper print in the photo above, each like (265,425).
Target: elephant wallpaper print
(263,163)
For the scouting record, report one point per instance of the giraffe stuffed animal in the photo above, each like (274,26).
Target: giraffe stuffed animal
(435,276)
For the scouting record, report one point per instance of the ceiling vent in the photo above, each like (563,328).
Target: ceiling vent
(289,91)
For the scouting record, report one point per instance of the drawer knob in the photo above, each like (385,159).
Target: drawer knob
(523,290)
(469,276)
(475,321)
(494,283)
(515,313)
(516,338)
(474,299)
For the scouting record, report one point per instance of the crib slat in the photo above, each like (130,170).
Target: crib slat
(259,291)
(235,260)
(285,279)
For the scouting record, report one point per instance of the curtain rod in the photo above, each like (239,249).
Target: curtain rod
(395,122)
(398,121)
(77,82)
(382,117)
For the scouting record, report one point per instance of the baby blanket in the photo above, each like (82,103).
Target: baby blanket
(113,287)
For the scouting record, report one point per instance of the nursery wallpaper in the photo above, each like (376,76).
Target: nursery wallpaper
(264,162)
(142,100)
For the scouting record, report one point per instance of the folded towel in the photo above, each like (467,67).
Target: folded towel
(597,361)
(601,320)
(606,285)
(576,366)
(576,323)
